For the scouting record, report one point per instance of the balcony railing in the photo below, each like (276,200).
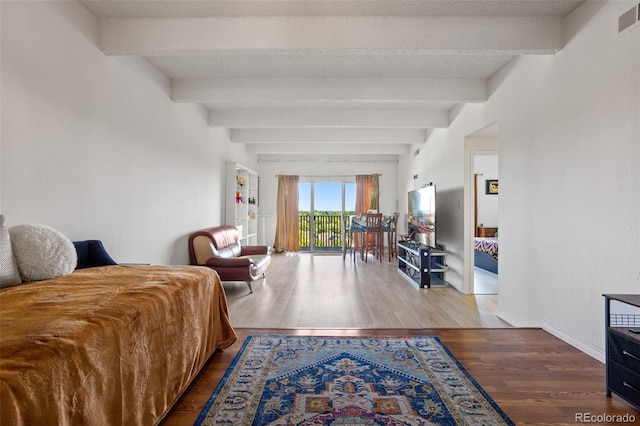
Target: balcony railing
(327,232)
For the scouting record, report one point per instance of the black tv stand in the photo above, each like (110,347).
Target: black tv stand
(422,265)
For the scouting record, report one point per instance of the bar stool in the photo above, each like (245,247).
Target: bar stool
(373,239)
(392,236)
(349,241)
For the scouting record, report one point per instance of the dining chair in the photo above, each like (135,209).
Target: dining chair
(373,242)
(392,236)
(349,240)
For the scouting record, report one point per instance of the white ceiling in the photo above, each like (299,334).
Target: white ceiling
(320,77)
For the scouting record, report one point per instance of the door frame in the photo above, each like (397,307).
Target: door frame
(475,144)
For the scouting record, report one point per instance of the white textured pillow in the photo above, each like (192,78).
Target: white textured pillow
(42,252)
(9,275)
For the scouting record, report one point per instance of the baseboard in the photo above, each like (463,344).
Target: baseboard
(574,341)
(508,320)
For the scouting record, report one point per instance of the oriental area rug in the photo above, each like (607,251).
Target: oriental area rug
(312,380)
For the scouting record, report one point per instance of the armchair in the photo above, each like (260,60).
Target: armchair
(219,249)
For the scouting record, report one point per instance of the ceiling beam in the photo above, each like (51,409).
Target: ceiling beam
(471,35)
(371,118)
(318,135)
(173,8)
(327,149)
(310,90)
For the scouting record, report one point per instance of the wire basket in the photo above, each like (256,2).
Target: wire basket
(624,319)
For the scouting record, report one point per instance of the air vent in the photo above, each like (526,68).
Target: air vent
(629,19)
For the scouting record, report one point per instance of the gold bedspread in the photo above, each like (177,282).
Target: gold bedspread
(115,345)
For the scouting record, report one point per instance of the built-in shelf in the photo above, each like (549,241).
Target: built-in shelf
(242,201)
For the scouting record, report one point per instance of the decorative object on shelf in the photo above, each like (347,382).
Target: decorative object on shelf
(238,197)
(240,180)
(491,186)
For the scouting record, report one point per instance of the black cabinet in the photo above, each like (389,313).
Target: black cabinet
(623,349)
(422,265)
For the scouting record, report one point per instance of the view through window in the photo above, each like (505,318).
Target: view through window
(322,208)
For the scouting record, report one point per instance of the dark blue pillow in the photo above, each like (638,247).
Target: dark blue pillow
(91,253)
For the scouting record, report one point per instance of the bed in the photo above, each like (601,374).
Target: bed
(486,254)
(110,345)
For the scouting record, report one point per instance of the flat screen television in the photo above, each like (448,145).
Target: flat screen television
(422,215)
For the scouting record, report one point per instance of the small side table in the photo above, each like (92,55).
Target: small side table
(623,349)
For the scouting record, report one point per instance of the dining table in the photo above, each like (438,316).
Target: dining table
(358,224)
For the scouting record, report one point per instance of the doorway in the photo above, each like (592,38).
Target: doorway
(322,208)
(486,229)
(481,212)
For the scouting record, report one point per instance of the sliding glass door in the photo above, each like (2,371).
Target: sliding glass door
(322,206)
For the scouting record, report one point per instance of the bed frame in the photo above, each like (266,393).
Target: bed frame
(485,261)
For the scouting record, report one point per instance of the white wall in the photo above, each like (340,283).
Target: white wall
(569,153)
(268,170)
(93,146)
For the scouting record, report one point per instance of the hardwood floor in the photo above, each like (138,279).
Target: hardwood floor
(310,291)
(484,282)
(533,376)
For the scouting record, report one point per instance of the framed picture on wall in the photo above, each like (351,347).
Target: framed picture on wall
(492,186)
